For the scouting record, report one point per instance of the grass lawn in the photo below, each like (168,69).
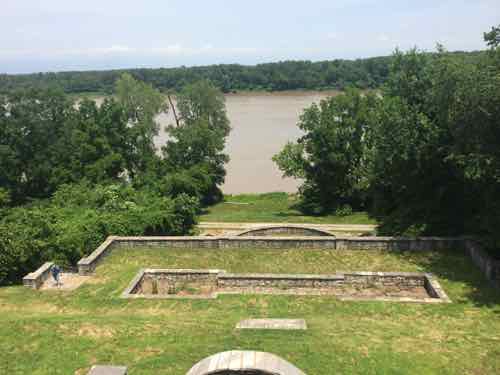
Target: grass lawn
(270,208)
(66,332)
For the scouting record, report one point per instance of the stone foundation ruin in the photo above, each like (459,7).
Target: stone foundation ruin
(386,286)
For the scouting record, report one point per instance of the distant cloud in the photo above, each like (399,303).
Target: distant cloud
(383,38)
(54,35)
(169,50)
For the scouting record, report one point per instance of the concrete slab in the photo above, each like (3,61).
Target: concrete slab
(108,370)
(277,324)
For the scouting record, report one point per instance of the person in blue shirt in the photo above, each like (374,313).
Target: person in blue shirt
(56,271)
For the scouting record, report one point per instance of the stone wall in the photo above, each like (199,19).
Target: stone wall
(401,280)
(489,267)
(166,281)
(87,265)
(37,278)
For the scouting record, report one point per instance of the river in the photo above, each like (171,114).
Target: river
(262,123)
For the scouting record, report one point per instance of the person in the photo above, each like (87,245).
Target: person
(56,271)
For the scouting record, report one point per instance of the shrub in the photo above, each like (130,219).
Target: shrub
(78,218)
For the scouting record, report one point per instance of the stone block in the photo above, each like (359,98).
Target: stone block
(276,324)
(108,370)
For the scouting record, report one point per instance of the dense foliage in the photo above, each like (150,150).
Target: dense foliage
(46,141)
(72,173)
(78,218)
(285,75)
(329,155)
(424,155)
(196,143)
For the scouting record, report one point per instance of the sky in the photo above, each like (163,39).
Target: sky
(61,35)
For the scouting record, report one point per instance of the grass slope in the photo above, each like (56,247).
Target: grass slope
(67,332)
(272,208)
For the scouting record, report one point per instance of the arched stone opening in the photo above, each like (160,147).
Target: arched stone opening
(285,231)
(238,362)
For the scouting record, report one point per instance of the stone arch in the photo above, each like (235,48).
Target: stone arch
(285,230)
(238,362)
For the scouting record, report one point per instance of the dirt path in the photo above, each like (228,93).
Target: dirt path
(68,281)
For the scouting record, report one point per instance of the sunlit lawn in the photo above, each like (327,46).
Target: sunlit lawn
(272,207)
(67,332)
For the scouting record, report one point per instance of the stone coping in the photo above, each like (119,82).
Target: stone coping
(277,276)
(337,276)
(37,278)
(246,362)
(181,271)
(432,286)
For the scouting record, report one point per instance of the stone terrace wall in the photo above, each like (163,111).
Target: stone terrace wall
(489,267)
(37,278)
(87,265)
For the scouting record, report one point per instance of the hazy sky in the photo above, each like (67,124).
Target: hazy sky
(53,35)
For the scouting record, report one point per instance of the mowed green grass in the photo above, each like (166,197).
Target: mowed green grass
(272,208)
(67,332)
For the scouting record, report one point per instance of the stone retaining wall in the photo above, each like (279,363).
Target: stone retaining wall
(489,267)
(401,280)
(87,265)
(165,280)
(37,278)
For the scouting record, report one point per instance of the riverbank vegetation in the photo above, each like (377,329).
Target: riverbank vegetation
(73,173)
(274,208)
(423,157)
(366,73)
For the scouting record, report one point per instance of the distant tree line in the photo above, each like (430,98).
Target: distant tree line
(286,75)
(72,173)
(422,155)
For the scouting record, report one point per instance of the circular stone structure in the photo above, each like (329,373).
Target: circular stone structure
(243,362)
(285,230)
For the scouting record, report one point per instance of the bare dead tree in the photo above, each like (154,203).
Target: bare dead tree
(173,109)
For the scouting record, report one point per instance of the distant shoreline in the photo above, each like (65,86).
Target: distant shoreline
(332,92)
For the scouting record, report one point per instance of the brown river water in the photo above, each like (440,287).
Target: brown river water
(262,123)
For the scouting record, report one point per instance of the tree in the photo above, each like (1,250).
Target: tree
(492,38)
(142,103)
(436,136)
(197,142)
(46,140)
(329,156)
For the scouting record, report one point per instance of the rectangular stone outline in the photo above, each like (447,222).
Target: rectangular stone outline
(431,285)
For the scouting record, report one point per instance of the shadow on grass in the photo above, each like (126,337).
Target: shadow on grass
(469,284)
(203,211)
